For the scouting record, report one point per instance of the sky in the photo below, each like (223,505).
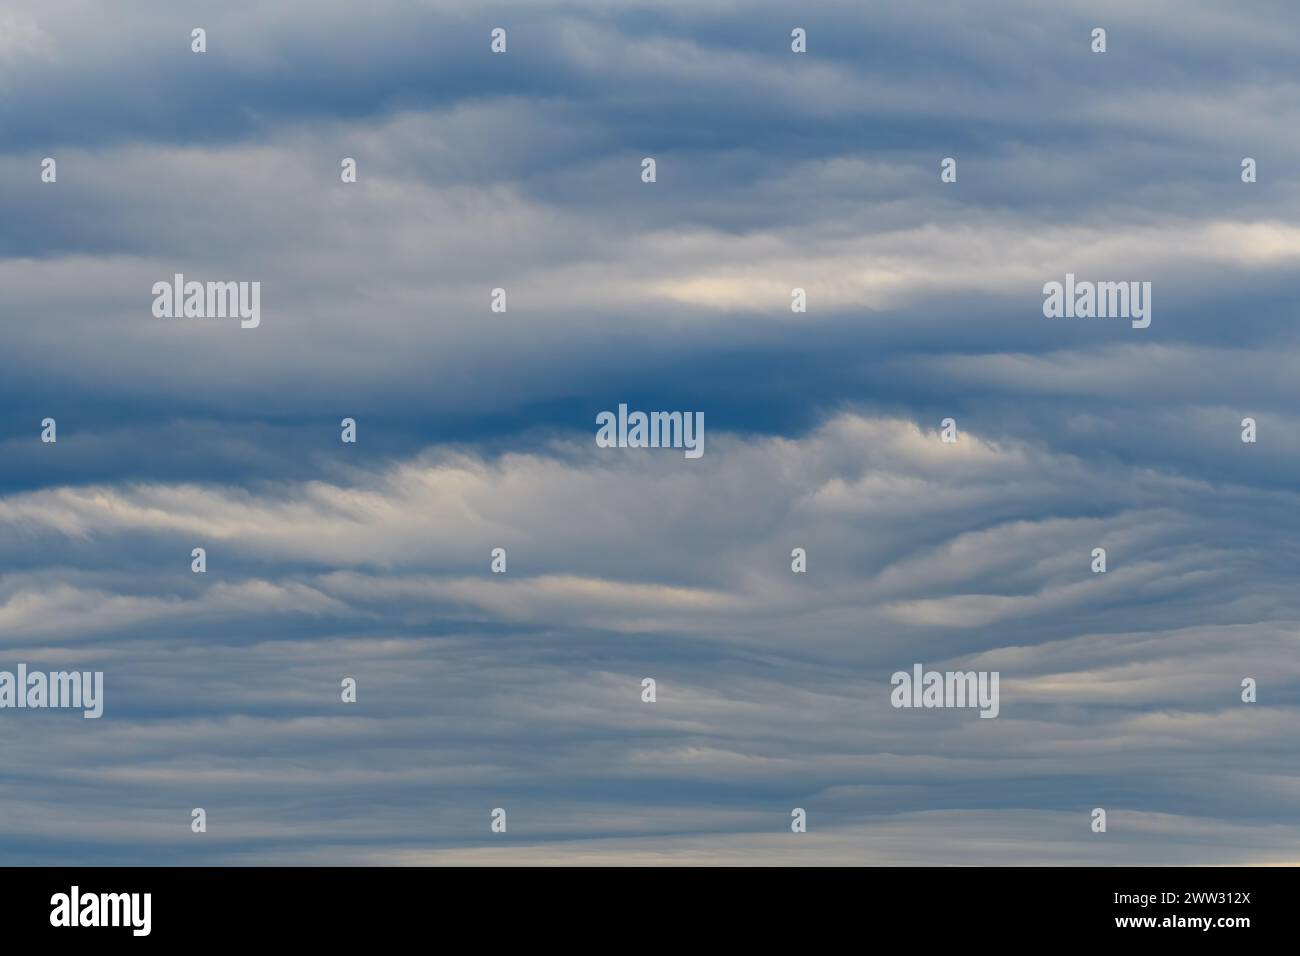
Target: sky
(476,430)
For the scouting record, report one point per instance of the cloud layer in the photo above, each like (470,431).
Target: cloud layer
(522,690)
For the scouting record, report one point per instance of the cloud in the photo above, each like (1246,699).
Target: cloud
(475,430)
(773,687)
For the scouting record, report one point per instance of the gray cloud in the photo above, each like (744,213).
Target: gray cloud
(478,690)
(523,689)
